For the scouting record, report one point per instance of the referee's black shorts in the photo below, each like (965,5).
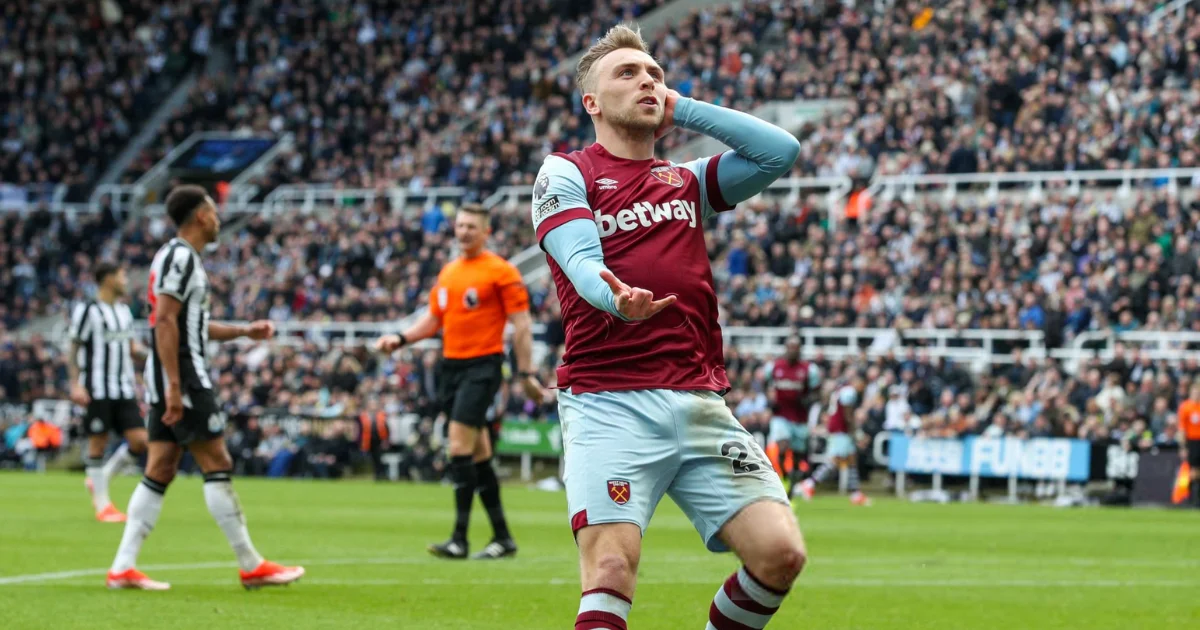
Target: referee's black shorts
(468,387)
(1194,454)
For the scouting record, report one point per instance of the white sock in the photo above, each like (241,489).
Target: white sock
(224,506)
(144,508)
(94,467)
(120,459)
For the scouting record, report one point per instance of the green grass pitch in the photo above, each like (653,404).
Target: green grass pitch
(894,565)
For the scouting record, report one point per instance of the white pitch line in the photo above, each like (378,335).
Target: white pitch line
(802,584)
(894,561)
(193,566)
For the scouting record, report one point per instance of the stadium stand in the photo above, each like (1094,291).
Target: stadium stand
(395,63)
(974,87)
(45,260)
(971,264)
(1011,87)
(80,78)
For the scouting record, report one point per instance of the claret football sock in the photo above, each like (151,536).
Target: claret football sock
(743,602)
(603,609)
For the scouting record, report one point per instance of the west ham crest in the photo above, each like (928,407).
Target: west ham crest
(618,491)
(667,175)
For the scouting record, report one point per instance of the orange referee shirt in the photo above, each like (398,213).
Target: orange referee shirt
(473,298)
(1189,420)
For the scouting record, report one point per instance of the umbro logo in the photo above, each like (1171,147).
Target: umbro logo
(607,184)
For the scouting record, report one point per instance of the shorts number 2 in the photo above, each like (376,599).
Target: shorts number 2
(737,452)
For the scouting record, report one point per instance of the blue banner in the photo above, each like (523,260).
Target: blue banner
(1038,458)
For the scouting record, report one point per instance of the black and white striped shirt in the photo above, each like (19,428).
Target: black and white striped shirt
(104,332)
(177,271)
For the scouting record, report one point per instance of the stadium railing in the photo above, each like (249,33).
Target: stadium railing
(833,189)
(1033,184)
(18,197)
(309,197)
(979,348)
(1176,9)
(1153,344)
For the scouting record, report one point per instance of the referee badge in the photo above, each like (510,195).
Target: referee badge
(471,298)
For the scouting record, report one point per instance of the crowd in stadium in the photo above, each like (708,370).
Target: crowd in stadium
(80,80)
(350,79)
(1011,87)
(1129,265)
(973,87)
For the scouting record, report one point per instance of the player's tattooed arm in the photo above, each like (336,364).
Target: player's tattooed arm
(762,152)
(79,332)
(138,351)
(166,339)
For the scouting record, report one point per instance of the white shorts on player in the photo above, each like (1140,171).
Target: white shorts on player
(839,445)
(794,433)
(624,450)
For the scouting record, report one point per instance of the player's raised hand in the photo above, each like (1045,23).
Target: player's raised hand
(668,122)
(261,329)
(632,302)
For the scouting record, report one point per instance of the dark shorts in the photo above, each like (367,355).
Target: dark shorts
(202,420)
(1194,455)
(468,387)
(117,416)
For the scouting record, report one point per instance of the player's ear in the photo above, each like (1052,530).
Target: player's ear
(591,104)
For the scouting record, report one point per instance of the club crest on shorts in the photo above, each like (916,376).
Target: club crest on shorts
(618,491)
(667,175)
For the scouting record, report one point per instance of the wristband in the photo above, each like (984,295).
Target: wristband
(403,340)
(524,374)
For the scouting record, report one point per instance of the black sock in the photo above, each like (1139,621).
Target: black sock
(489,493)
(1196,493)
(465,480)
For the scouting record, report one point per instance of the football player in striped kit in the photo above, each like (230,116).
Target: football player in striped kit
(184,413)
(101,371)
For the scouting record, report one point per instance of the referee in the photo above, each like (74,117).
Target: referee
(1189,439)
(101,373)
(475,296)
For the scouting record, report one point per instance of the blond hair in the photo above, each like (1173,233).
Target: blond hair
(476,209)
(617,37)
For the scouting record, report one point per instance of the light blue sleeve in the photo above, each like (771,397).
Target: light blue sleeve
(577,244)
(814,376)
(762,153)
(566,229)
